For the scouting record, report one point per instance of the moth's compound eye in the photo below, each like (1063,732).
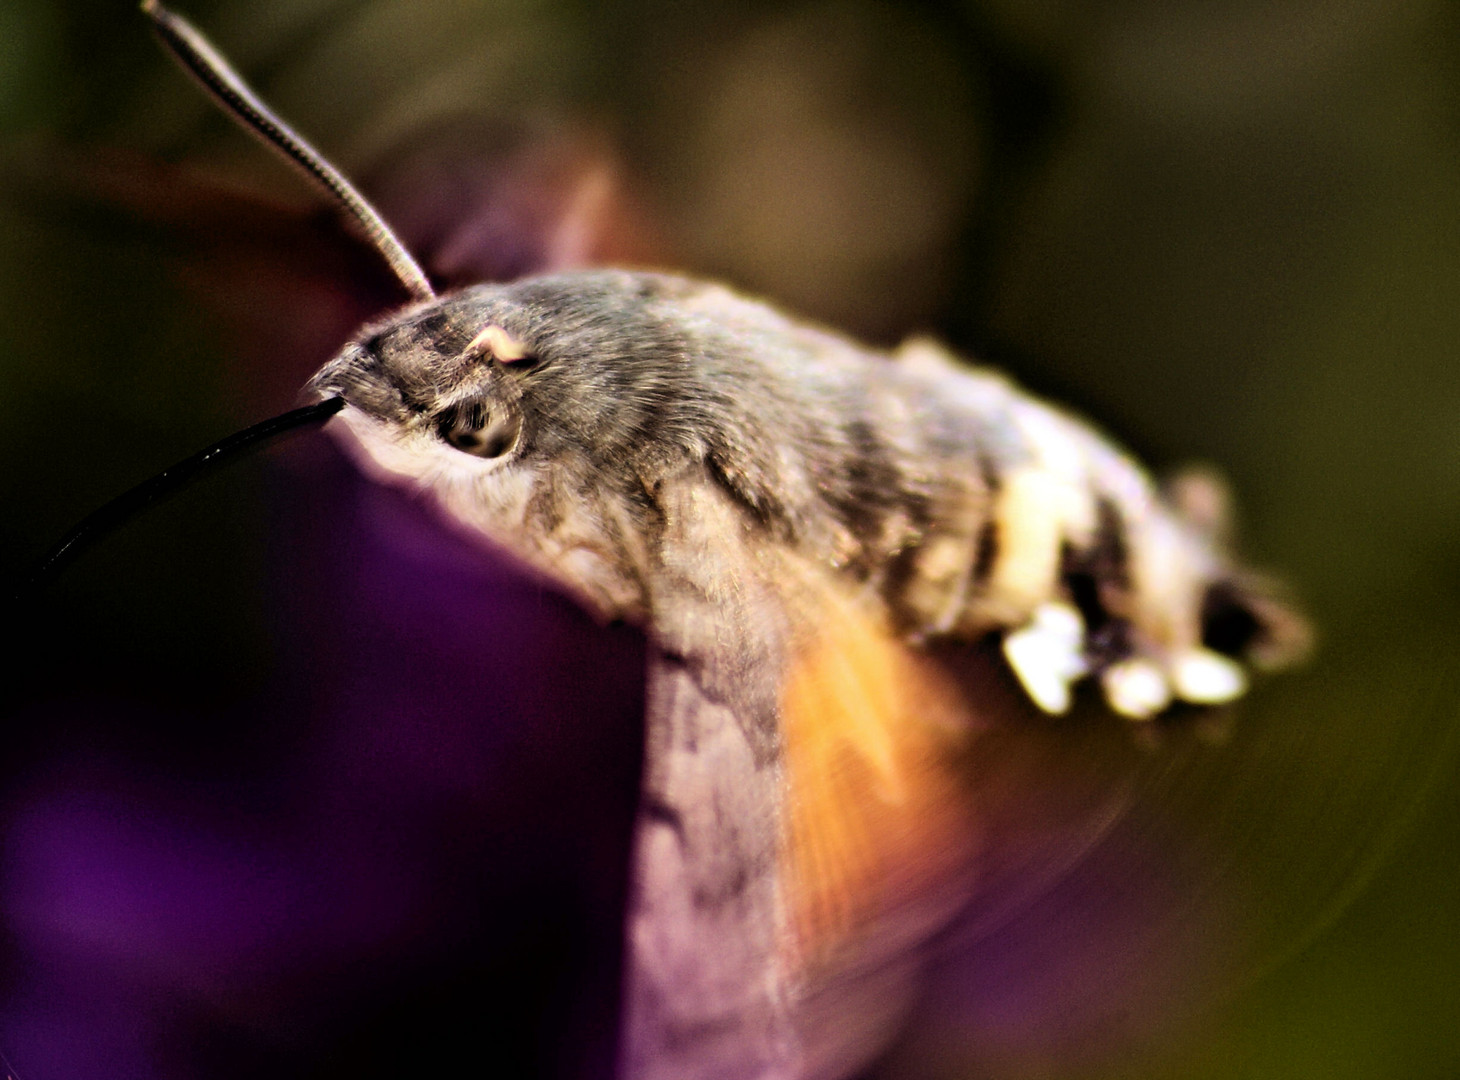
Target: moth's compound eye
(496,344)
(478,430)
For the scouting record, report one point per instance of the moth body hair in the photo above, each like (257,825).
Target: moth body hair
(956,503)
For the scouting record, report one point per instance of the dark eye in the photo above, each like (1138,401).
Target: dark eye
(479,430)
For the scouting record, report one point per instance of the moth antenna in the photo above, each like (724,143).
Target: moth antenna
(225,86)
(106,519)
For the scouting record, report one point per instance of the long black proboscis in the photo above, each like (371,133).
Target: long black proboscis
(205,64)
(101,522)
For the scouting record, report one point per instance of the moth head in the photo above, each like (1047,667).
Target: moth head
(561,374)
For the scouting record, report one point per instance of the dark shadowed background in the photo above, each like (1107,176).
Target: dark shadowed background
(296,781)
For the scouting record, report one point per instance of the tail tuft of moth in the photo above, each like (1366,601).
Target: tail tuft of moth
(1251,616)
(1244,614)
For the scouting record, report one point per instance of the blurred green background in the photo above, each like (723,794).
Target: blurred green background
(1228,231)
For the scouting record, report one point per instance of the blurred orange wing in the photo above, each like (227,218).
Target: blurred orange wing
(878,824)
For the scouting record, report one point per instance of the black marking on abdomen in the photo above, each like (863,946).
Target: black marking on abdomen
(871,489)
(1228,624)
(985,551)
(1098,579)
(897,572)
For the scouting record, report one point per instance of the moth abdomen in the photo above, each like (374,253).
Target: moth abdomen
(1001,514)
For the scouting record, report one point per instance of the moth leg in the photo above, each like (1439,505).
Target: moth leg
(1048,654)
(1136,687)
(1203,677)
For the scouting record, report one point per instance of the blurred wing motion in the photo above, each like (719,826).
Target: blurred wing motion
(821,801)
(783,892)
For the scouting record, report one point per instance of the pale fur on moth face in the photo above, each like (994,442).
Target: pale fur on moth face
(494,500)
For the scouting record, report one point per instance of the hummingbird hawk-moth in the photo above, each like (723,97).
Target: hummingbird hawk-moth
(815,536)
